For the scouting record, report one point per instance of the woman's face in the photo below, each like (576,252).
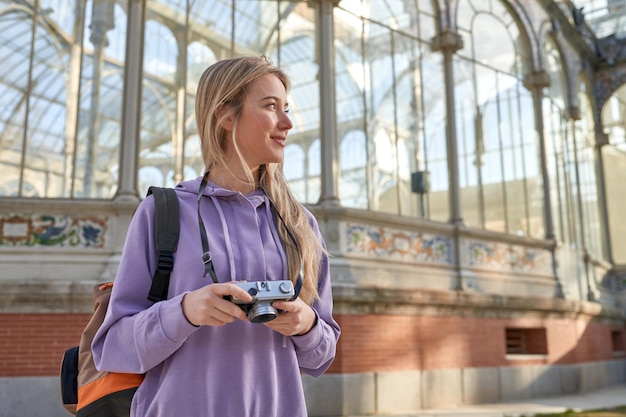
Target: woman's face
(263,123)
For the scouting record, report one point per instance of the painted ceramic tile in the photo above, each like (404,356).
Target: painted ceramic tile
(381,242)
(52,231)
(506,257)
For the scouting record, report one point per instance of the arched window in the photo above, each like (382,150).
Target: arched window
(61,123)
(614,157)
(389,88)
(571,162)
(501,186)
(352,164)
(60,129)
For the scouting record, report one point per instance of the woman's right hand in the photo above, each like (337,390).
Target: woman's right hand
(206,306)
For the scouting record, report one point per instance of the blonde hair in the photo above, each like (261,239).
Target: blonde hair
(221,92)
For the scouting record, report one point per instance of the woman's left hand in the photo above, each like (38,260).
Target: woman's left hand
(294,318)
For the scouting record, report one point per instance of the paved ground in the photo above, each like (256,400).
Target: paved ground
(614,396)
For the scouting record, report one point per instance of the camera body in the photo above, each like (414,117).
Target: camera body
(264,293)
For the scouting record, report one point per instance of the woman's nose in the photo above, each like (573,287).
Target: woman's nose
(285,122)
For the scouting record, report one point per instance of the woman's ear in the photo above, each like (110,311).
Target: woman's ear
(225,117)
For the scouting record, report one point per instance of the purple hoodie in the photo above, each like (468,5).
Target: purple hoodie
(241,369)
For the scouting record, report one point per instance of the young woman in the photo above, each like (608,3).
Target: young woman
(202,354)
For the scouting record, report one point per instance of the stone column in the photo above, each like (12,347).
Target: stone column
(73,102)
(101,23)
(127,197)
(602,139)
(536,82)
(448,42)
(178,147)
(325,52)
(574,114)
(131,107)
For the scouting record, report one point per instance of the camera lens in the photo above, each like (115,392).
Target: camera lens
(261,313)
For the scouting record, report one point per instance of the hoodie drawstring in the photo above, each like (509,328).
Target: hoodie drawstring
(229,249)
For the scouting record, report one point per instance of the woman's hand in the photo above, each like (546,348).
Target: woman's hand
(207,306)
(294,318)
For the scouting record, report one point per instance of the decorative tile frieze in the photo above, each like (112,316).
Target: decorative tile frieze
(52,230)
(507,257)
(382,242)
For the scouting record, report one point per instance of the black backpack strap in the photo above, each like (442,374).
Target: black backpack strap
(166,230)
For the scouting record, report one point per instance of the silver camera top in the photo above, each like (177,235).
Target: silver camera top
(260,309)
(266,290)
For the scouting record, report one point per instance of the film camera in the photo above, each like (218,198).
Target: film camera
(260,309)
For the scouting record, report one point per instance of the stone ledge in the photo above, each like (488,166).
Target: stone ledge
(47,297)
(360,300)
(76,297)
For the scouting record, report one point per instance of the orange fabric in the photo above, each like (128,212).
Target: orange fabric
(112,382)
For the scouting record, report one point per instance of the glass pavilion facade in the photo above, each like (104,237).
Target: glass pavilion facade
(471,145)
(63,131)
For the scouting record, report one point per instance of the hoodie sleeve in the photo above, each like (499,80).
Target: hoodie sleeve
(136,334)
(316,349)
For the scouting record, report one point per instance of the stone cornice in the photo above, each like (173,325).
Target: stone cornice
(66,205)
(386,301)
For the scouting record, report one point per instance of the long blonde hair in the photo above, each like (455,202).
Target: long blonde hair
(221,92)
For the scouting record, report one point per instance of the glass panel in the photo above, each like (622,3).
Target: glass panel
(98,129)
(490,149)
(296,53)
(313,184)
(353,162)
(15,41)
(614,161)
(432,155)
(501,187)
(208,31)
(614,118)
(533,180)
(381,65)
(606,18)
(159,112)
(44,164)
(61,120)
(468,121)
(615,177)
(295,171)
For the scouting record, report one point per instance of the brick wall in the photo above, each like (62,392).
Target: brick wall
(33,344)
(376,343)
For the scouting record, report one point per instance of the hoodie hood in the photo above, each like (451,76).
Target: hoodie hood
(241,218)
(213,190)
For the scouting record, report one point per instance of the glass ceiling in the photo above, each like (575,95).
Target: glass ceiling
(604,17)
